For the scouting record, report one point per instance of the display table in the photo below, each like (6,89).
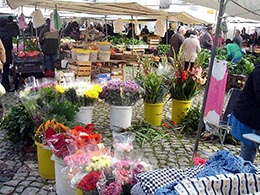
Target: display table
(27,66)
(116,68)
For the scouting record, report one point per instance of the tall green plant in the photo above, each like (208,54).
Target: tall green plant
(19,126)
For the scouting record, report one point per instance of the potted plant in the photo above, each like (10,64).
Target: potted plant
(84,95)
(155,91)
(121,96)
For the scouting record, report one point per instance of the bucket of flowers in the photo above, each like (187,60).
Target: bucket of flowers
(184,86)
(155,91)
(121,96)
(85,95)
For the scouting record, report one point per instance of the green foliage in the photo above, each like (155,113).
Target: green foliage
(52,104)
(191,121)
(203,58)
(120,40)
(164,49)
(146,133)
(19,126)
(245,66)
(155,88)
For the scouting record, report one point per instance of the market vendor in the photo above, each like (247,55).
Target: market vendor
(234,52)
(49,45)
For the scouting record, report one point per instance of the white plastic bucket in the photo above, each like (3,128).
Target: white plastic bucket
(93,56)
(120,117)
(104,46)
(83,56)
(62,185)
(84,115)
(73,54)
(104,55)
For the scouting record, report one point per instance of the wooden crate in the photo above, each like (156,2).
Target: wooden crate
(81,68)
(236,81)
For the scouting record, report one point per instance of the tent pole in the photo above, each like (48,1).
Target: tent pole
(106,24)
(222,6)
(167,33)
(133,32)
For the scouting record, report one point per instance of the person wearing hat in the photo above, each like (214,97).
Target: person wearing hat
(6,39)
(206,39)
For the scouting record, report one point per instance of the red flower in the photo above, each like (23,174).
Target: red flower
(166,125)
(174,123)
(184,75)
(49,132)
(89,181)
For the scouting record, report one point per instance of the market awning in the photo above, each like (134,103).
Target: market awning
(185,18)
(134,9)
(249,9)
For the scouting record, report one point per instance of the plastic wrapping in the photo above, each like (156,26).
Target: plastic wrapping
(123,142)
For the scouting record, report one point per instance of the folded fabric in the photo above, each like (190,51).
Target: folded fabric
(224,162)
(152,180)
(228,184)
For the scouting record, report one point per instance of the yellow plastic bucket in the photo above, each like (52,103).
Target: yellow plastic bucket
(79,191)
(153,113)
(180,109)
(45,164)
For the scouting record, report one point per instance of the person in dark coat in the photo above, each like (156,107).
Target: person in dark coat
(176,41)
(49,43)
(245,117)
(12,27)
(206,41)
(6,38)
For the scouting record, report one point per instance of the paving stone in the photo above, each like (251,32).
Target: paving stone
(12,183)
(6,190)
(25,183)
(36,184)
(43,192)
(19,189)
(30,191)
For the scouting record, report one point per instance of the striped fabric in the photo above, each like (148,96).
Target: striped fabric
(225,184)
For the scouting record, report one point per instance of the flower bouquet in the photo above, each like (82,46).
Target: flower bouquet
(120,93)
(121,96)
(82,93)
(187,83)
(85,96)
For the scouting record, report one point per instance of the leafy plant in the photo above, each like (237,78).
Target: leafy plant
(146,133)
(245,66)
(191,121)
(164,49)
(203,58)
(155,88)
(19,126)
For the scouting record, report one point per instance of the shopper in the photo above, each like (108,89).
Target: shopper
(49,45)
(6,39)
(168,34)
(206,41)
(238,39)
(191,47)
(246,116)
(176,41)
(145,30)
(233,51)
(12,27)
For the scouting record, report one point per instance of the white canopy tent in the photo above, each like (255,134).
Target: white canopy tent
(249,9)
(133,9)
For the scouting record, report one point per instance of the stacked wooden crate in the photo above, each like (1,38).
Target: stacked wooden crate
(153,43)
(81,68)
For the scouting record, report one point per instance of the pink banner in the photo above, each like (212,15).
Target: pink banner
(216,92)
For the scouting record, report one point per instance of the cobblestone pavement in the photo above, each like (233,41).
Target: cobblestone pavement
(19,170)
